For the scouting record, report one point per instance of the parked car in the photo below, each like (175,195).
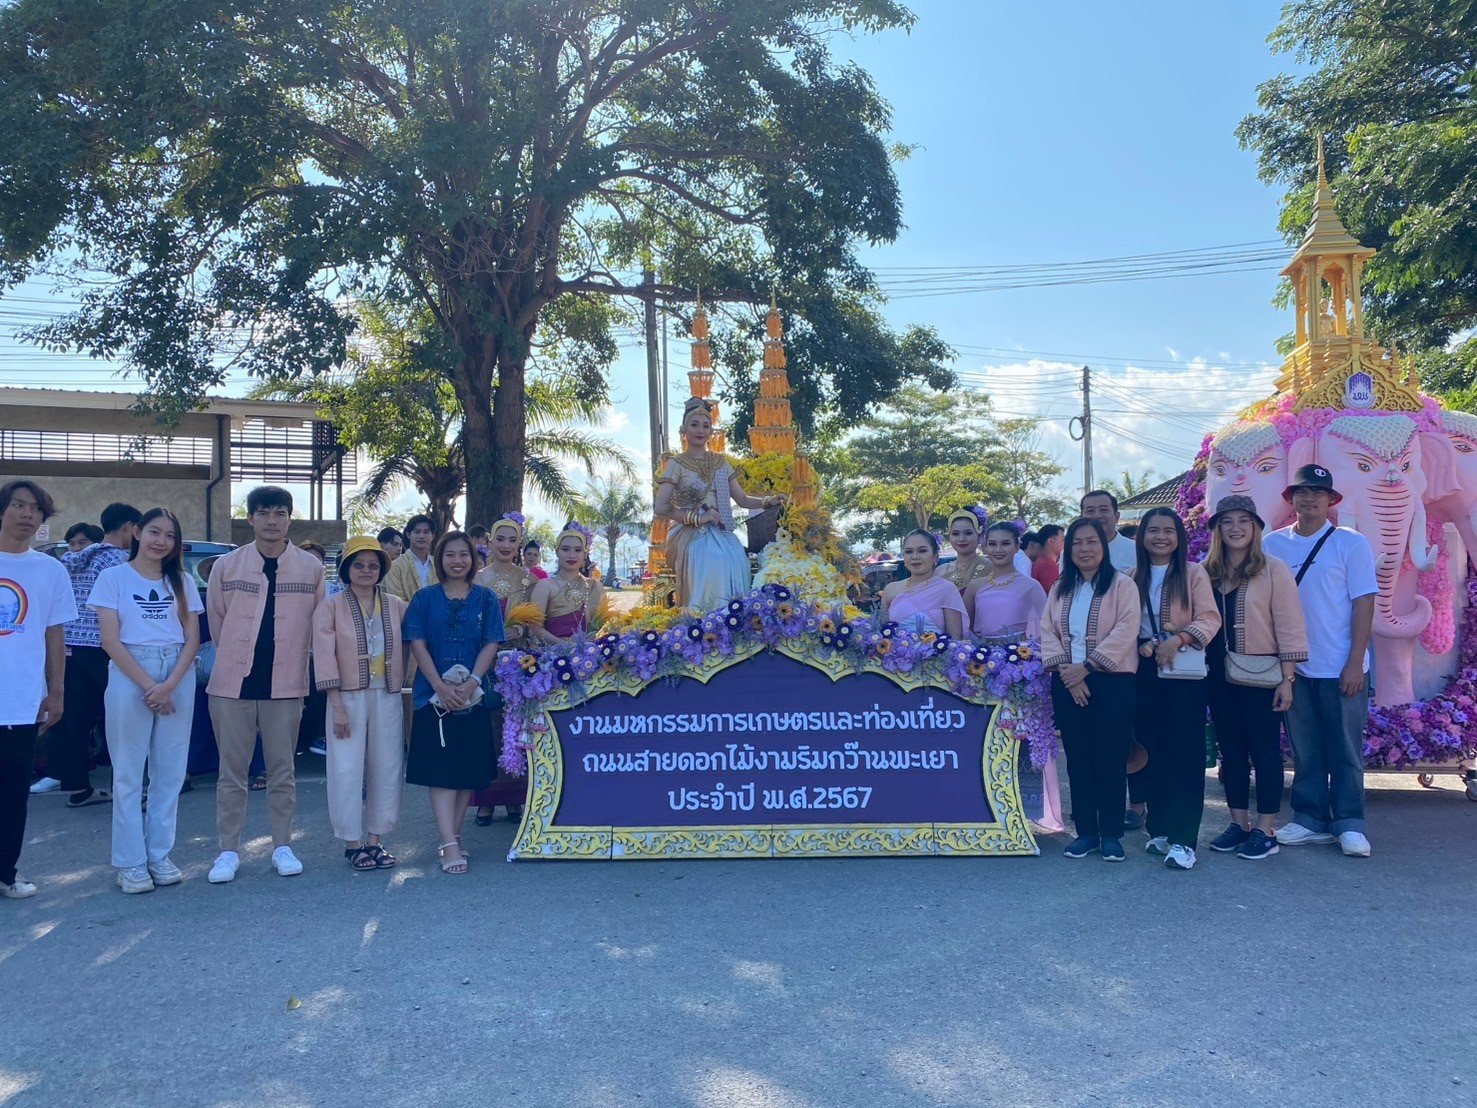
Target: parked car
(879,575)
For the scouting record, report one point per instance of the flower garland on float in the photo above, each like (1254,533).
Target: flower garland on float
(770,616)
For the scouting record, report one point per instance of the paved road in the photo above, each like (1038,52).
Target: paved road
(1305,980)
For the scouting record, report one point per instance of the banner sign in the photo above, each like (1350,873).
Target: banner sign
(771,755)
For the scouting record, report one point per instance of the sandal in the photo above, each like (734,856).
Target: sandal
(361,858)
(383,859)
(258,783)
(459,866)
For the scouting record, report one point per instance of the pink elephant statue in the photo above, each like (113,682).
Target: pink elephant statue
(1377,465)
(1249,459)
(1452,480)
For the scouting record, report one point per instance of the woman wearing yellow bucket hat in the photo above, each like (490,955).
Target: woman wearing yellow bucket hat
(359,661)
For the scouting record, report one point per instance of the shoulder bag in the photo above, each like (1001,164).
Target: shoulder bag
(1255,671)
(1189,661)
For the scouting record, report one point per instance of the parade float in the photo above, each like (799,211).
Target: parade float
(1407,469)
(786,723)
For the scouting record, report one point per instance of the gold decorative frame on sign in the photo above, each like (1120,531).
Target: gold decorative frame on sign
(538,839)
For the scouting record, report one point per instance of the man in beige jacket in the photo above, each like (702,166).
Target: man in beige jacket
(415,569)
(260,607)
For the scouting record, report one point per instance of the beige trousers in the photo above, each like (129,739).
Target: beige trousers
(237,723)
(366,771)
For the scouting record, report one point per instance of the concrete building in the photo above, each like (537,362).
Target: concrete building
(91,448)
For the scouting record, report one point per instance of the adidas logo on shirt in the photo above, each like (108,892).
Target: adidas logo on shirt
(154,606)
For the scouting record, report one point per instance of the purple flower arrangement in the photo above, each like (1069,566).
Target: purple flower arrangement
(1437,731)
(768,617)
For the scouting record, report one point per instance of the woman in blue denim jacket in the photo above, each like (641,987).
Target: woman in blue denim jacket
(449,624)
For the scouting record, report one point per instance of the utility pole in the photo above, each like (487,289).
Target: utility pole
(666,381)
(653,367)
(1081,428)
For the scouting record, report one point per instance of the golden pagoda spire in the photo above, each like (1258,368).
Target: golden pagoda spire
(1329,343)
(774,430)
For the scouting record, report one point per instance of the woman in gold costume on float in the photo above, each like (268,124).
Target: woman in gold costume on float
(697,491)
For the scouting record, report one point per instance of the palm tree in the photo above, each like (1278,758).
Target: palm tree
(614,508)
(1126,485)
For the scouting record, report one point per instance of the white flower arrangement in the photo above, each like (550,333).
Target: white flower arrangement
(786,562)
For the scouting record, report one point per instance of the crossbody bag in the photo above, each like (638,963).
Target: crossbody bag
(1255,671)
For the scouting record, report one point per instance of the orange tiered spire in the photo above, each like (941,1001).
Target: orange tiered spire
(774,430)
(700,377)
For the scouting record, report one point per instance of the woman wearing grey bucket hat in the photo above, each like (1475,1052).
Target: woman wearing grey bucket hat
(1252,665)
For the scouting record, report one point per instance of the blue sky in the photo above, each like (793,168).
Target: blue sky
(1054,133)
(1067,132)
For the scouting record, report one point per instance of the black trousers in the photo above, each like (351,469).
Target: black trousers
(1096,740)
(17,754)
(1249,735)
(69,743)
(1170,725)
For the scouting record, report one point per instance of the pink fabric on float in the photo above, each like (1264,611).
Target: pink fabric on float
(931,601)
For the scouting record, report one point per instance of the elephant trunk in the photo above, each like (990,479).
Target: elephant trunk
(1391,513)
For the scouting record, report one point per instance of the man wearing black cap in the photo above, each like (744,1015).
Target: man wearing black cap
(1334,567)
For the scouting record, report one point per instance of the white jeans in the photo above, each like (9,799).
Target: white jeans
(136,738)
(366,771)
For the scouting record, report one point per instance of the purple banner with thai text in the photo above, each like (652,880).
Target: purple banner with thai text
(770,741)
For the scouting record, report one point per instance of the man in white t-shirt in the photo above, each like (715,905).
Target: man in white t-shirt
(35,602)
(1330,703)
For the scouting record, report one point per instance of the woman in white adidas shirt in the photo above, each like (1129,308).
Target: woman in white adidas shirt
(147,610)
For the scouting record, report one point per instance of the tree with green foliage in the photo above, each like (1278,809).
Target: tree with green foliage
(232,179)
(937,491)
(919,431)
(396,405)
(614,508)
(1389,84)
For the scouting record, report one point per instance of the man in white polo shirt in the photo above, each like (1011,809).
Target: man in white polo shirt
(1102,506)
(1334,567)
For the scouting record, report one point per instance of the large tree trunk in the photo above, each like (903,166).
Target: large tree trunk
(491,390)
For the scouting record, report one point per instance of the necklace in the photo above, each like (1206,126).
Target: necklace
(579,587)
(913,584)
(504,585)
(706,465)
(1001,582)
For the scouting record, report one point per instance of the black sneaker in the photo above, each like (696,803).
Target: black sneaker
(1258,844)
(1112,850)
(1229,839)
(1132,821)
(1082,846)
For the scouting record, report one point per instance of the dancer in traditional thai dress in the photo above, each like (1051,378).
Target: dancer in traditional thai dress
(569,601)
(1004,603)
(697,491)
(924,602)
(1007,604)
(966,527)
(966,532)
(512,585)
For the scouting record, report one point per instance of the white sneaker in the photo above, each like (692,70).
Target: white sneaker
(286,862)
(135,879)
(165,873)
(1354,844)
(1295,834)
(1157,845)
(1180,857)
(319,747)
(225,867)
(45,785)
(18,889)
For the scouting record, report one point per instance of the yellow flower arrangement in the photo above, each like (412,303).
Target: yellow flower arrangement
(765,474)
(645,617)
